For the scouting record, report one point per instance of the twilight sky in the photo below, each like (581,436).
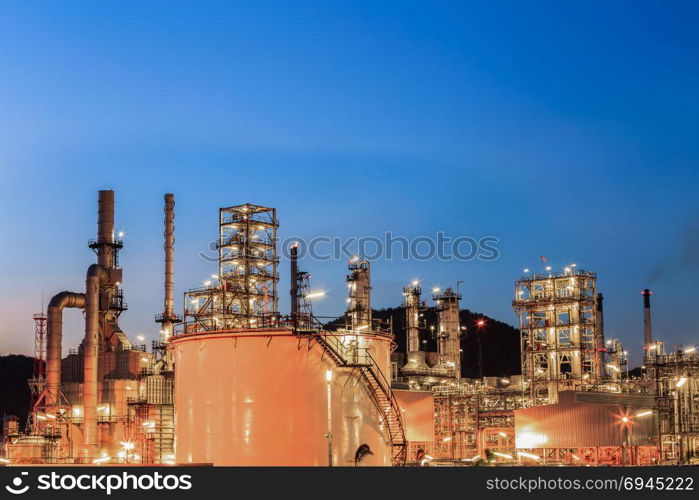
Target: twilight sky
(565,129)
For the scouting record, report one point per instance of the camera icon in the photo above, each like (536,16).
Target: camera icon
(16,487)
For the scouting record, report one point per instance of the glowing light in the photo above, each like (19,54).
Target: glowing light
(363,327)
(121,234)
(548,268)
(101,460)
(127,445)
(690,349)
(504,381)
(526,270)
(328,375)
(315,295)
(529,439)
(528,455)
(435,290)
(214,276)
(644,413)
(207,283)
(615,368)
(4,461)
(502,434)
(416,283)
(447,439)
(141,338)
(681,382)
(502,455)
(575,457)
(480,322)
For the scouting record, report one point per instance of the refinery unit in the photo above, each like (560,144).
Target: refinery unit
(233,381)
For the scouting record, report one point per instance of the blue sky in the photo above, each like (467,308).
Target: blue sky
(565,129)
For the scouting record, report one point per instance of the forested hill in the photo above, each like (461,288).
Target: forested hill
(15,396)
(499,341)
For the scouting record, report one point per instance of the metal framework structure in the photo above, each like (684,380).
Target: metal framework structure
(676,378)
(245,294)
(559,341)
(472,420)
(38,380)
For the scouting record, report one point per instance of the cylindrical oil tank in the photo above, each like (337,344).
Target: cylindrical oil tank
(268,397)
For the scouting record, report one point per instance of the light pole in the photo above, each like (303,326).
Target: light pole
(329,435)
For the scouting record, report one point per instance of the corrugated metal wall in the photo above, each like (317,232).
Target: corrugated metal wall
(418,414)
(571,424)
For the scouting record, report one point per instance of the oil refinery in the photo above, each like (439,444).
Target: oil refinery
(232,381)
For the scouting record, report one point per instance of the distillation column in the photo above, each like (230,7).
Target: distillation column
(413,307)
(449,333)
(359,301)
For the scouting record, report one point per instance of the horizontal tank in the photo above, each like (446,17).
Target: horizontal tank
(265,398)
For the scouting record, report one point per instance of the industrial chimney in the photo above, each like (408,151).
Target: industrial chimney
(647,326)
(599,337)
(294,290)
(168,319)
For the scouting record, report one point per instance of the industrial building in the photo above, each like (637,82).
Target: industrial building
(234,381)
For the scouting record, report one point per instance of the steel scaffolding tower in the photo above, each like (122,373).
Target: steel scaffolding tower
(245,294)
(557,318)
(449,334)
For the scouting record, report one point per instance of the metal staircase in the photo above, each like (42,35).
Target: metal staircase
(379,387)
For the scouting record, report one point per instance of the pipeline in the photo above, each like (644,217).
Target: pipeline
(95,274)
(54,336)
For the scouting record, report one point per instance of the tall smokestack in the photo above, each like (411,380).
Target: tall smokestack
(105,228)
(599,337)
(647,326)
(169,306)
(294,290)
(168,319)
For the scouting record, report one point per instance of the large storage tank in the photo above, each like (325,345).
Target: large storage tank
(262,397)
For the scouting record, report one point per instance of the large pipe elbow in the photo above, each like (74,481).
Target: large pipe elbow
(54,338)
